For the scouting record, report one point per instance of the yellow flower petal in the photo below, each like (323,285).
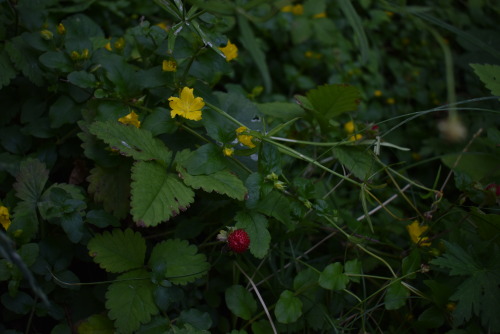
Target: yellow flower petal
(230,51)
(228,151)
(349,127)
(187,105)
(244,139)
(415,230)
(169,66)
(4,217)
(132,119)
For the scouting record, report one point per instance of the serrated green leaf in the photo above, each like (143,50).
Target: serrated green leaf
(240,302)
(284,111)
(222,182)
(121,74)
(186,329)
(111,187)
(489,75)
(156,194)
(476,165)
(101,219)
(25,59)
(457,260)
(332,277)
(276,205)
(288,308)
(118,251)
(129,140)
(178,261)
(79,31)
(395,296)
(130,302)
(256,226)
(96,324)
(82,79)
(159,122)
(332,100)
(356,159)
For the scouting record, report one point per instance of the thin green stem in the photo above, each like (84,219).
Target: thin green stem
(224,114)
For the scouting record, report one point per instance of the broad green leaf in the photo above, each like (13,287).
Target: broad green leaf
(129,140)
(25,59)
(240,302)
(96,324)
(276,205)
(432,317)
(130,301)
(288,308)
(125,80)
(118,251)
(63,111)
(157,325)
(20,303)
(159,122)
(57,60)
(301,30)
(186,329)
(353,267)
(101,219)
(476,165)
(157,195)
(82,79)
(332,277)
(207,159)
(255,225)
(31,180)
(262,327)
(459,261)
(29,253)
(111,187)
(395,296)
(356,159)
(284,111)
(196,318)
(79,31)
(332,100)
(178,261)
(222,182)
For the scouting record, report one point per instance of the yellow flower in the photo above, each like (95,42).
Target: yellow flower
(4,217)
(61,29)
(163,25)
(228,151)
(169,66)
(415,231)
(390,100)
(75,55)
(319,15)
(230,51)
(132,119)
(349,127)
(243,138)
(187,105)
(108,46)
(355,137)
(295,9)
(119,43)
(46,34)
(378,93)
(312,54)
(388,13)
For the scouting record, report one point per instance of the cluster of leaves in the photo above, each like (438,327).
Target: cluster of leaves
(113,226)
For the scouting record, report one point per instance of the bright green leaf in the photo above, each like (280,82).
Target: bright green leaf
(240,302)
(332,277)
(207,159)
(178,261)
(119,250)
(222,182)
(129,140)
(288,308)
(255,225)
(157,195)
(353,267)
(130,301)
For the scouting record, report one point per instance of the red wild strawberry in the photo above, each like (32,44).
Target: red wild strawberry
(238,241)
